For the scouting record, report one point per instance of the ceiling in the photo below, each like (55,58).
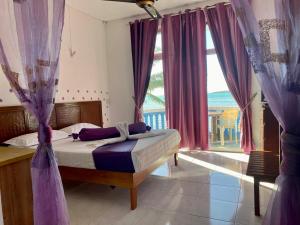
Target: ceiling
(107,11)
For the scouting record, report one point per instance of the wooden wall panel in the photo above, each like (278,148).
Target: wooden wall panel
(32,123)
(12,122)
(15,121)
(67,114)
(91,113)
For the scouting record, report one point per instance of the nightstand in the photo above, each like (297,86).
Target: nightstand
(15,186)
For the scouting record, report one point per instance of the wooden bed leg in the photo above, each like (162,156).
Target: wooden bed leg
(176,159)
(133,198)
(256,197)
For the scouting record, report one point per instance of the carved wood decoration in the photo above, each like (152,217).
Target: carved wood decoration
(15,120)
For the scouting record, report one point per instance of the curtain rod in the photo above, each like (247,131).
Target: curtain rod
(192,10)
(215,5)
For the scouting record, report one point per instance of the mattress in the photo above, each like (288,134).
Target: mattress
(78,154)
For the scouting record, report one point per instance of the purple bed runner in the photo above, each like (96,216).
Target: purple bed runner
(115,157)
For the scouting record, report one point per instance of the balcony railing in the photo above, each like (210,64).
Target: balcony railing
(223,129)
(156,119)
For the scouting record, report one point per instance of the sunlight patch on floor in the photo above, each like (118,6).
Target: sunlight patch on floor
(236,156)
(223,170)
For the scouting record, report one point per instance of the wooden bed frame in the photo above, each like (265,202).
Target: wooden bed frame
(15,121)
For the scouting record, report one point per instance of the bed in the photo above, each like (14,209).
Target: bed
(75,162)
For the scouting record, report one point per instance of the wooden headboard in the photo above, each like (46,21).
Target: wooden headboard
(15,120)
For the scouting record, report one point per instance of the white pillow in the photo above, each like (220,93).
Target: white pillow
(76,128)
(31,139)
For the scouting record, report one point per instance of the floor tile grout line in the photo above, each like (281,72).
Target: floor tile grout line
(190,214)
(235,219)
(212,184)
(225,185)
(200,197)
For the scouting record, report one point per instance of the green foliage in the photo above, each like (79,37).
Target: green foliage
(157,81)
(157,49)
(156,99)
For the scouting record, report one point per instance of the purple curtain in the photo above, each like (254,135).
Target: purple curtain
(235,64)
(273,45)
(184,64)
(30,40)
(143,37)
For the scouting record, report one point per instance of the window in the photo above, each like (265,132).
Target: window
(154,105)
(223,111)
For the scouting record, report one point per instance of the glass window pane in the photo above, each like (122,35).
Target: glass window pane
(209,41)
(154,105)
(157,67)
(215,78)
(223,111)
(156,84)
(158,44)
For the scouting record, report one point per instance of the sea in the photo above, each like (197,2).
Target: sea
(215,99)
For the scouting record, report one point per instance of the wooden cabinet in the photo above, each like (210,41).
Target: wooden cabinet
(15,186)
(271,131)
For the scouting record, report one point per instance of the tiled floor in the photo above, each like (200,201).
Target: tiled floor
(227,147)
(205,189)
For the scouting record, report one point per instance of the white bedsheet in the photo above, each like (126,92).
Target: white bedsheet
(147,150)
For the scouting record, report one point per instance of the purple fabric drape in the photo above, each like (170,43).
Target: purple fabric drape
(184,64)
(276,61)
(29,57)
(143,37)
(235,64)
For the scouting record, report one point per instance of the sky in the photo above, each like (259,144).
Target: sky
(215,78)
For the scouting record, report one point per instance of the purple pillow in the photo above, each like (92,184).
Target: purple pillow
(137,128)
(148,128)
(92,134)
(75,136)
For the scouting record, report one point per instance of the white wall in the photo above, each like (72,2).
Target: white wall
(120,71)
(84,76)
(257,114)
(265,11)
